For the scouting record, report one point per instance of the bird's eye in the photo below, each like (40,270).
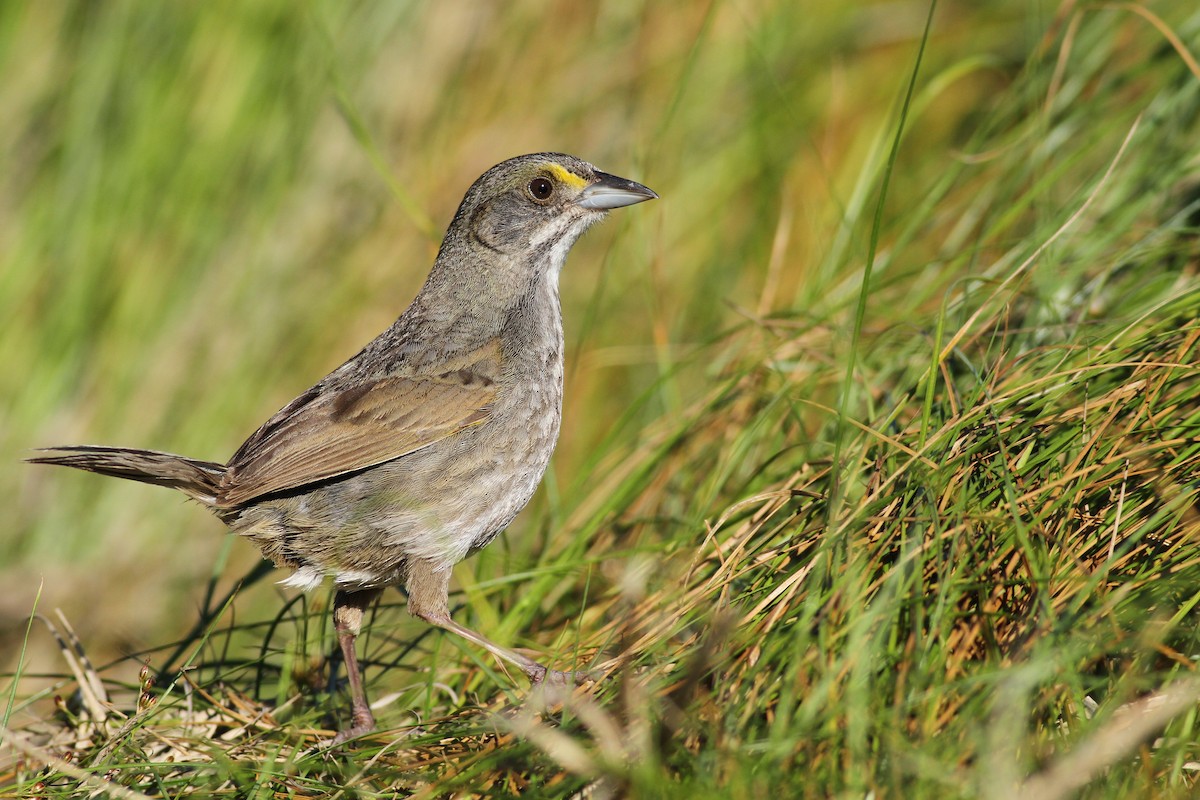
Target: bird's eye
(541,189)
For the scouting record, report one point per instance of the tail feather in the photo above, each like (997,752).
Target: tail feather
(197,479)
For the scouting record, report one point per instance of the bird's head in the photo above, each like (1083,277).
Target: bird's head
(512,233)
(535,207)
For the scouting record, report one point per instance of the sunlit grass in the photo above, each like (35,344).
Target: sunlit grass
(954,556)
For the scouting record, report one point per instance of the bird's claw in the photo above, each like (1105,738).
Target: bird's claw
(541,676)
(362,721)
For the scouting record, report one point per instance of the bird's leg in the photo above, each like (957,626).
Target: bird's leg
(348,610)
(428,599)
(536,672)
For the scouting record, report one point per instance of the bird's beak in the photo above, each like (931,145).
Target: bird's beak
(609,191)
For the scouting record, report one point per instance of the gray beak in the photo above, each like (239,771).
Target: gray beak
(609,191)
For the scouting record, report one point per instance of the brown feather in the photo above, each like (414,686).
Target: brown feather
(331,432)
(195,478)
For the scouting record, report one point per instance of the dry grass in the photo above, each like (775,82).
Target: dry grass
(900,505)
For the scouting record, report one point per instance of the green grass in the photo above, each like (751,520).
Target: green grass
(860,492)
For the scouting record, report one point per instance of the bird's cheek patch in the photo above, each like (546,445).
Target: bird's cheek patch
(490,230)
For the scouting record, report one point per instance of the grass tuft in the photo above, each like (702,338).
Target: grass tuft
(861,492)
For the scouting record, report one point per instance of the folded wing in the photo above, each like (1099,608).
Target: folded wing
(326,433)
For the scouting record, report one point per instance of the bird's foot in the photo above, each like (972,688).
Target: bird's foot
(362,721)
(541,676)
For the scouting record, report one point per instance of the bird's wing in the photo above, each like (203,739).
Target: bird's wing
(325,433)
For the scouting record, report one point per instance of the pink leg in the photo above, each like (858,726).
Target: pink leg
(428,599)
(348,611)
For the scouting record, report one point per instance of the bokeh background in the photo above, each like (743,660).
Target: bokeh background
(205,207)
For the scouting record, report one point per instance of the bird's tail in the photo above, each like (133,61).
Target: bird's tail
(199,480)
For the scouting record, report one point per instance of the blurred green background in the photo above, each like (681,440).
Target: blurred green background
(205,207)
(887,496)
(208,206)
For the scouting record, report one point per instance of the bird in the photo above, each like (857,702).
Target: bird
(424,446)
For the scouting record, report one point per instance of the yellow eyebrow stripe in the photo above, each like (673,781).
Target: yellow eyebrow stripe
(565,176)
